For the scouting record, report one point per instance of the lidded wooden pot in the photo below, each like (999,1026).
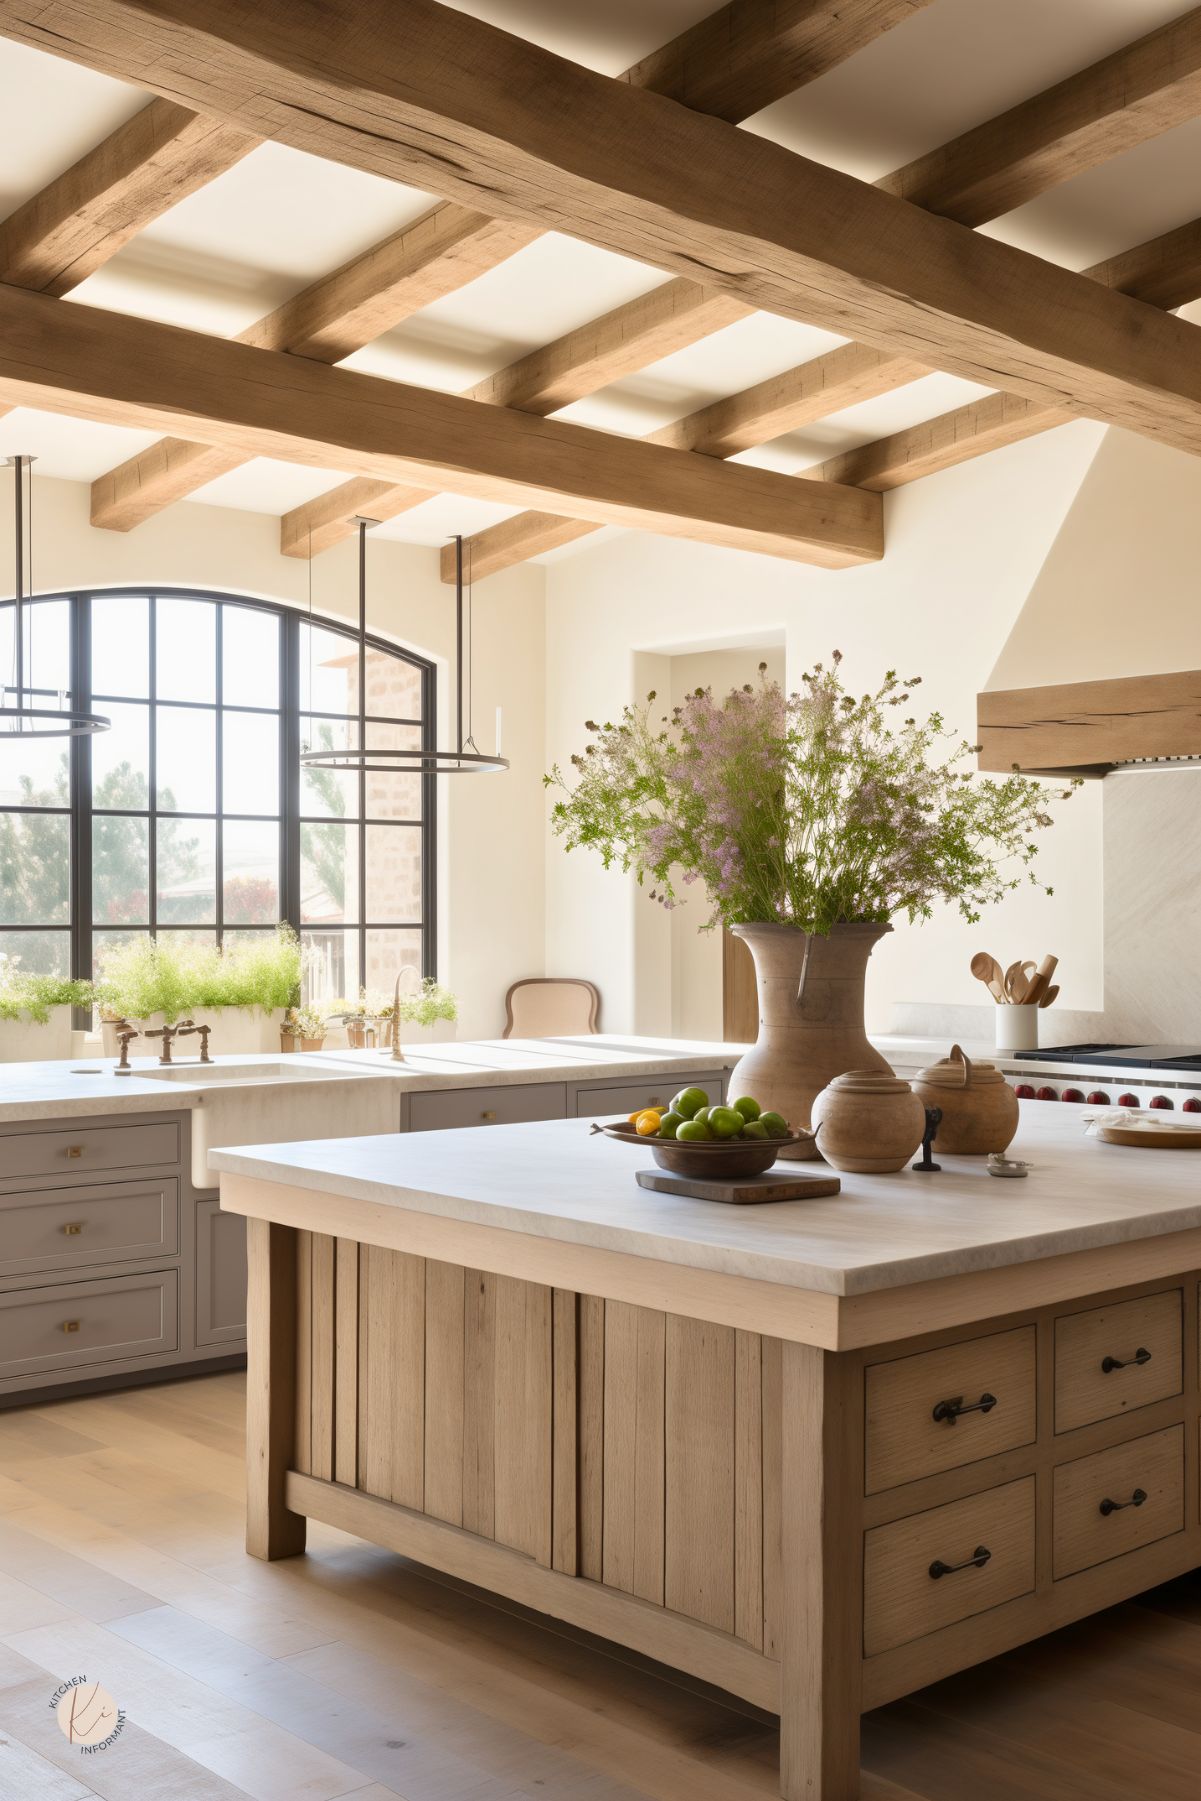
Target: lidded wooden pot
(868,1122)
(979,1108)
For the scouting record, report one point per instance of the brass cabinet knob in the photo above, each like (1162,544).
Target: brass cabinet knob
(73,1229)
(70,1325)
(75,1150)
(488,1114)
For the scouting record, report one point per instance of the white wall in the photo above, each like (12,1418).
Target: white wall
(963,549)
(491,828)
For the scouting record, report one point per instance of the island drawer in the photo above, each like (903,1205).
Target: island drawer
(508,1106)
(943,1408)
(70,1325)
(1118,1500)
(927,1571)
(1112,1359)
(83,1149)
(112,1224)
(648,1091)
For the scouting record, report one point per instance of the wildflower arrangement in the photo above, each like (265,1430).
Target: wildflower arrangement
(807,809)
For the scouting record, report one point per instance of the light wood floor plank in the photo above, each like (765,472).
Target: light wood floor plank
(351,1673)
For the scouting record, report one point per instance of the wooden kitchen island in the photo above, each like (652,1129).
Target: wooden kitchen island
(818,1454)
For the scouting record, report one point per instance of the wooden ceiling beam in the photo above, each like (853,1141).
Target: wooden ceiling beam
(1138,92)
(327,321)
(100,365)
(421,93)
(1011,158)
(1165,271)
(751,53)
(64,233)
(454,244)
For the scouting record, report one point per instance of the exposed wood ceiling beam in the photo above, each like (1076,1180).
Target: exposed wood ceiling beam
(64,233)
(454,244)
(748,54)
(328,320)
(420,93)
(628,338)
(1165,272)
(100,365)
(1011,158)
(1139,91)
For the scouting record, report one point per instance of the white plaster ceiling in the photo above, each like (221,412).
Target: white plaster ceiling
(279,219)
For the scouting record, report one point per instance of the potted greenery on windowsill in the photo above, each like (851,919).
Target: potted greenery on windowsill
(303,1028)
(427,1014)
(242,992)
(35,1013)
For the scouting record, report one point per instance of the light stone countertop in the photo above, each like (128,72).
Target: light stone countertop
(77,1088)
(552,1180)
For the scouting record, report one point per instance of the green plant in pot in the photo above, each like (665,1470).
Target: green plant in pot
(426,1008)
(304,1026)
(36,1012)
(809,821)
(241,991)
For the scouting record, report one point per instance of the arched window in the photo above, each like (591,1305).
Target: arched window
(193,814)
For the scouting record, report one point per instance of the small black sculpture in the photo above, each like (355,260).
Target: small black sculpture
(933,1121)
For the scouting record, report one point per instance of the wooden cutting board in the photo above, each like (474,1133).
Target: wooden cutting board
(774,1185)
(1153,1138)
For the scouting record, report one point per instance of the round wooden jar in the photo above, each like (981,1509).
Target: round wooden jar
(979,1108)
(868,1122)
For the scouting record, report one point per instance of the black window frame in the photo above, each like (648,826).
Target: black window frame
(82,928)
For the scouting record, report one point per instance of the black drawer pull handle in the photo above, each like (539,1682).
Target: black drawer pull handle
(1142,1355)
(951,1410)
(1136,1500)
(976,1562)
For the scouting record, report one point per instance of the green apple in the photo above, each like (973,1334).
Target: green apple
(670,1124)
(703,1115)
(747,1106)
(689,1102)
(755,1128)
(693,1131)
(775,1125)
(725,1122)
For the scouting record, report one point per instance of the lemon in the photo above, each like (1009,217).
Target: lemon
(647,1123)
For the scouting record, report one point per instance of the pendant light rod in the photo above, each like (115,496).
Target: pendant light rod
(18,464)
(27,721)
(459,641)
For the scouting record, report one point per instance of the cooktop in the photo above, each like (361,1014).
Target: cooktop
(1144,1056)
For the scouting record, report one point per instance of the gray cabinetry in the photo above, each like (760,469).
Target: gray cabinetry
(220,1275)
(112,1268)
(509,1105)
(596,1099)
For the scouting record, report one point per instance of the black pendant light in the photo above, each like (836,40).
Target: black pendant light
(466,759)
(22,721)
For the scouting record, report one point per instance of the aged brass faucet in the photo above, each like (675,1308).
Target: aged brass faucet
(187,1029)
(125,1036)
(168,1034)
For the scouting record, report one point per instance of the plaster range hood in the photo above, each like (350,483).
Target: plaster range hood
(1093,728)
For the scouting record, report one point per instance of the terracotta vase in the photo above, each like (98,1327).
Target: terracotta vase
(810,1015)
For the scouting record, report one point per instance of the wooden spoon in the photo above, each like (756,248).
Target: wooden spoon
(1049,996)
(1017,980)
(986,969)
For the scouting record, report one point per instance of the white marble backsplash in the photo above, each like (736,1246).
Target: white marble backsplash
(1153,906)
(1152,930)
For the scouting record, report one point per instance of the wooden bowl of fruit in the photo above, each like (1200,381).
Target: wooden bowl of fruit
(692,1138)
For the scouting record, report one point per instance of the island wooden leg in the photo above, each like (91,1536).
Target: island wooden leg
(821,1499)
(272,1530)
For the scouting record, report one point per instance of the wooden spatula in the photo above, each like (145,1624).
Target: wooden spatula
(1049,996)
(986,969)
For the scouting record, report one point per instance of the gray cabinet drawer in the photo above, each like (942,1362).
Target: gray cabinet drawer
(647,1091)
(82,1149)
(52,1230)
(83,1323)
(508,1106)
(220,1275)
